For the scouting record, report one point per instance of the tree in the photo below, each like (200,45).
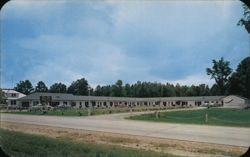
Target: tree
(2,97)
(98,91)
(79,87)
(220,72)
(203,90)
(117,89)
(127,90)
(239,82)
(192,91)
(106,90)
(180,90)
(41,87)
(58,88)
(214,90)
(245,21)
(24,87)
(168,90)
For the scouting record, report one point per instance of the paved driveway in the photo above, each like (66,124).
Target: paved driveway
(116,123)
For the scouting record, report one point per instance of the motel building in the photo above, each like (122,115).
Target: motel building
(11,97)
(74,101)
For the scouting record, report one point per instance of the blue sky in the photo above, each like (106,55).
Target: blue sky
(103,41)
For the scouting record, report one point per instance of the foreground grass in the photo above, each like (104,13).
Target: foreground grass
(18,144)
(84,112)
(215,116)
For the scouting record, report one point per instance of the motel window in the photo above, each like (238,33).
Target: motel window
(86,104)
(13,102)
(73,104)
(197,103)
(14,95)
(56,103)
(65,103)
(93,103)
(25,104)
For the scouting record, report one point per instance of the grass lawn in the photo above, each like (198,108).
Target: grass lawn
(84,112)
(18,144)
(215,116)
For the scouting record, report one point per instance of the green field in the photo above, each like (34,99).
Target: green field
(215,116)
(84,112)
(27,145)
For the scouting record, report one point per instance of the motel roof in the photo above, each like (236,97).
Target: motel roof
(71,97)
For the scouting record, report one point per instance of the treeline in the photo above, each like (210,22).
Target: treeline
(139,89)
(78,87)
(237,83)
(149,89)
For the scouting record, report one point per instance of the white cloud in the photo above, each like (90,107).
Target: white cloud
(194,80)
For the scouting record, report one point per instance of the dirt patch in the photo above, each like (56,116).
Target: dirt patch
(177,147)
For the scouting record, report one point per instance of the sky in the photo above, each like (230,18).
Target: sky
(103,40)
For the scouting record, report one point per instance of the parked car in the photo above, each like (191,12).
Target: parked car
(62,106)
(38,107)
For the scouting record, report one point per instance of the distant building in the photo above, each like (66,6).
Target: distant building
(233,101)
(69,100)
(12,96)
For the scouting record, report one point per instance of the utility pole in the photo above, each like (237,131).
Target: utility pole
(89,101)
(206,118)
(156,114)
